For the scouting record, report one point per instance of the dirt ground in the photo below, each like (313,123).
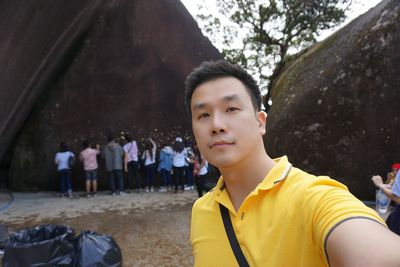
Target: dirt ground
(152,229)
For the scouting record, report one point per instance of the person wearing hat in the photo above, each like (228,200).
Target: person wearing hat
(392,190)
(392,174)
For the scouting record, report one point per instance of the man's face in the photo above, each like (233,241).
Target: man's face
(226,127)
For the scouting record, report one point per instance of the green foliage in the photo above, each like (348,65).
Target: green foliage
(269,31)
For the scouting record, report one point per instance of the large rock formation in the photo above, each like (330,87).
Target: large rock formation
(336,108)
(72,70)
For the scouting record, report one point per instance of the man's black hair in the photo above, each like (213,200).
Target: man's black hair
(63,147)
(110,137)
(210,70)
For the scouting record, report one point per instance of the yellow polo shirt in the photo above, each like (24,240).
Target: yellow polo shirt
(284,221)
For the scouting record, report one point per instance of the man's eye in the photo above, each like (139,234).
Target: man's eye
(203,115)
(230,109)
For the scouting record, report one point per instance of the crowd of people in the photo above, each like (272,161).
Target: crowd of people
(180,166)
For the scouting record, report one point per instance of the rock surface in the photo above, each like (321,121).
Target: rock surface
(336,108)
(73,70)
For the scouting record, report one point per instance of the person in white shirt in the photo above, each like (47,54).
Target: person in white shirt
(131,164)
(178,162)
(200,171)
(149,157)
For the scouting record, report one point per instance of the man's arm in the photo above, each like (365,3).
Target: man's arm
(362,242)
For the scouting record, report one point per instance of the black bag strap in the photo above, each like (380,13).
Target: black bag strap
(241,259)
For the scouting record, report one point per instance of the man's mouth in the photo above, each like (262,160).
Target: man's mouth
(220,144)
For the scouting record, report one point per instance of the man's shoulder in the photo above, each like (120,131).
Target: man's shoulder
(301,177)
(303,183)
(207,201)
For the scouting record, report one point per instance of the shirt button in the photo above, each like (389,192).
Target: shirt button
(242,216)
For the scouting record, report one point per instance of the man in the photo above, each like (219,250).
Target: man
(281,216)
(114,155)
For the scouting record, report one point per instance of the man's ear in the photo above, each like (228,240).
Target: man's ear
(262,121)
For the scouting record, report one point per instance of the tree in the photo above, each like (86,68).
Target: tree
(270,31)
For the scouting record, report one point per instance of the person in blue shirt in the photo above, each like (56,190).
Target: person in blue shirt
(63,162)
(165,167)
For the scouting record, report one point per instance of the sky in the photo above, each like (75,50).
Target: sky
(359,7)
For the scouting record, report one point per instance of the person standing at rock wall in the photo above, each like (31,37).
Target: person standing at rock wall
(63,160)
(114,156)
(149,157)
(88,157)
(131,164)
(179,156)
(165,167)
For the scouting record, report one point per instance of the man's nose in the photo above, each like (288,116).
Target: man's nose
(218,124)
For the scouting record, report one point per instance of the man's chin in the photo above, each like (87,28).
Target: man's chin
(223,164)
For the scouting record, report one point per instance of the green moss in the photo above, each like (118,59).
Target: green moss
(296,67)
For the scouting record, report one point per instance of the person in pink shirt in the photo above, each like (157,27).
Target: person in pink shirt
(89,158)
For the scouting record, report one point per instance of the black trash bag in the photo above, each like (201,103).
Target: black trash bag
(40,246)
(97,250)
(4,234)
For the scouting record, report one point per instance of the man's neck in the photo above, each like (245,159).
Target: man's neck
(241,180)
